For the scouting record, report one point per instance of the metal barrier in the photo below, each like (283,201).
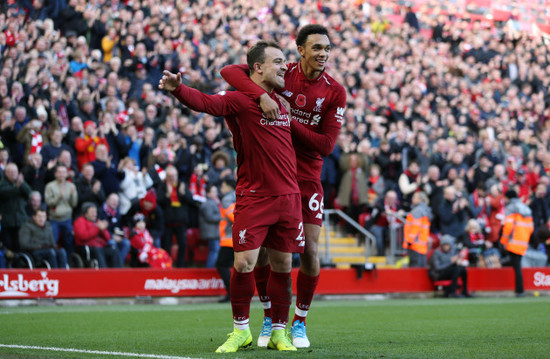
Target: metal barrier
(370,239)
(396,226)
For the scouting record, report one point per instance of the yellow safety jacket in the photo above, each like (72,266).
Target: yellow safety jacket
(226,225)
(416,233)
(516,232)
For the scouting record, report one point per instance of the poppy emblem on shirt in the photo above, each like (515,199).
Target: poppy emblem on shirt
(300,100)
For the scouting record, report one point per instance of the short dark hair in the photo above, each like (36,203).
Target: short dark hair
(257,53)
(511,194)
(229,182)
(39,209)
(310,30)
(209,187)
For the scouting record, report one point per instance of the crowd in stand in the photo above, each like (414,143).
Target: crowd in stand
(88,139)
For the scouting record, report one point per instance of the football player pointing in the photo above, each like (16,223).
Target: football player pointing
(318,103)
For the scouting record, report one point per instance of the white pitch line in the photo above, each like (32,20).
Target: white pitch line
(72,350)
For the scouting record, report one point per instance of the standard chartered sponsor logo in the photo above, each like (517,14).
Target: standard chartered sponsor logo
(177,285)
(21,287)
(283,120)
(300,113)
(274,123)
(541,280)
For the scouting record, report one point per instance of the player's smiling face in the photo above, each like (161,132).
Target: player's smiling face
(274,67)
(315,53)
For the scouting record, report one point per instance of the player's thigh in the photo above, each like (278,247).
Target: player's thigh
(253,218)
(312,232)
(311,193)
(287,235)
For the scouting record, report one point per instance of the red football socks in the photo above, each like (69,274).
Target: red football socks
(280,292)
(261,275)
(242,291)
(306,289)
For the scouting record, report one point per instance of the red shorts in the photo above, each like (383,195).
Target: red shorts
(273,222)
(312,201)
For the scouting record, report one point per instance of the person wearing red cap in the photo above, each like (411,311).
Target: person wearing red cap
(85,146)
(154,217)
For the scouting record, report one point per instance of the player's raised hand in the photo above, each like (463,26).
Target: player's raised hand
(269,107)
(169,81)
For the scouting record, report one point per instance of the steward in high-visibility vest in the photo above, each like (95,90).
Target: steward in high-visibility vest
(226,225)
(226,255)
(516,232)
(417,230)
(517,228)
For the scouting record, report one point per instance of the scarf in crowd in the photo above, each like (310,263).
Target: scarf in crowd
(412,177)
(36,142)
(160,172)
(477,239)
(483,216)
(109,211)
(372,195)
(174,199)
(197,186)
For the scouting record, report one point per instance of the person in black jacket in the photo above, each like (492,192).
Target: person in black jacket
(540,205)
(35,174)
(175,199)
(89,188)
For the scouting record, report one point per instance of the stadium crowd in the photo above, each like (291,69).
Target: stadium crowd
(87,137)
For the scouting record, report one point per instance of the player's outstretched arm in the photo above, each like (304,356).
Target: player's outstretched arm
(169,81)
(238,77)
(215,105)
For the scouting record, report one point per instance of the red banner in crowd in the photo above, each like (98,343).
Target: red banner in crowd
(135,282)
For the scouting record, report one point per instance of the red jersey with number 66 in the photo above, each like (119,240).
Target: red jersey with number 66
(318,108)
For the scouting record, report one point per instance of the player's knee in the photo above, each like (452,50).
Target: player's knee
(244,264)
(311,251)
(281,263)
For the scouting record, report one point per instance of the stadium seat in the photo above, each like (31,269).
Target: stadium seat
(82,257)
(26,260)
(363,217)
(197,248)
(441,285)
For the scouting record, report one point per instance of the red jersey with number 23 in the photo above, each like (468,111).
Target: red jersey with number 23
(265,156)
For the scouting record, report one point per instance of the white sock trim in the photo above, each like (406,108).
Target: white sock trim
(278,326)
(266,305)
(300,312)
(241,324)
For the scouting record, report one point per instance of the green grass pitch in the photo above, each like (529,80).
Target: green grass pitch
(392,328)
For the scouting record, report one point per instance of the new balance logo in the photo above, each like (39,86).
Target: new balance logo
(340,114)
(242,233)
(287,93)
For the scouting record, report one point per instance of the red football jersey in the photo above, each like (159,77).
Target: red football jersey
(265,156)
(318,108)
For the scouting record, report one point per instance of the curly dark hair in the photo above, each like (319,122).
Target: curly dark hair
(310,30)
